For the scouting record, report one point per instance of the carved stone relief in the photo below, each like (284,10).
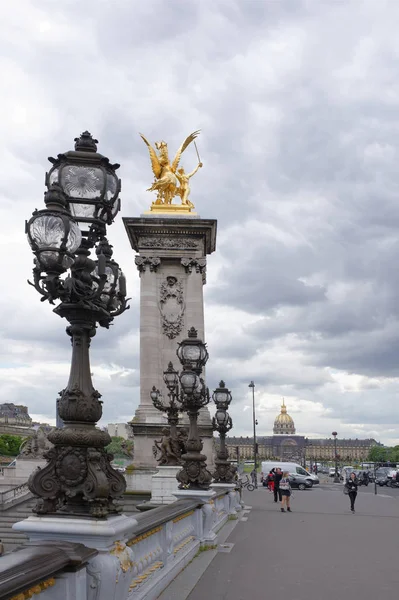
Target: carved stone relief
(168,242)
(197,264)
(171,306)
(142,262)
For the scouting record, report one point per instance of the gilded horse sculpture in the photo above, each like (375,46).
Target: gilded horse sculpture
(167,175)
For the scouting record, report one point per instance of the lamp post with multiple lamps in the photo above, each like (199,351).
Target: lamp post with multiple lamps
(82,198)
(222,423)
(336,476)
(194,395)
(171,456)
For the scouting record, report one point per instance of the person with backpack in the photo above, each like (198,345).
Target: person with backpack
(270,482)
(285,490)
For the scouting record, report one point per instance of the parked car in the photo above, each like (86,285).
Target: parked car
(331,472)
(300,482)
(382,475)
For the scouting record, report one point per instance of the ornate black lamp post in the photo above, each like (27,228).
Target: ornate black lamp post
(171,452)
(222,423)
(336,476)
(193,356)
(82,198)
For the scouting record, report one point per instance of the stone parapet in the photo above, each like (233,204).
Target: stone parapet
(119,558)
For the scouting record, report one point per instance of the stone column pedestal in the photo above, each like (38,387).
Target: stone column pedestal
(164,485)
(231,496)
(207,535)
(171,259)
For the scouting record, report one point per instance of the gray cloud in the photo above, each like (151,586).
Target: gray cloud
(297,103)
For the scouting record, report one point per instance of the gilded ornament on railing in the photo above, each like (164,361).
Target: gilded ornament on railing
(36,589)
(170,181)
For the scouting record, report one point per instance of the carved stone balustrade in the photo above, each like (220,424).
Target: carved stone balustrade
(133,558)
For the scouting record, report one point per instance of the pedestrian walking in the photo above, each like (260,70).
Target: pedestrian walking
(351,489)
(277,478)
(254,477)
(285,490)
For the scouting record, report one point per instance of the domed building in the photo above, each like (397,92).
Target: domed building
(285,445)
(284,424)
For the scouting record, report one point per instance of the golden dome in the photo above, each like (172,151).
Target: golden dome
(283,423)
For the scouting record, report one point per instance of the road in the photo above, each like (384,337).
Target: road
(319,551)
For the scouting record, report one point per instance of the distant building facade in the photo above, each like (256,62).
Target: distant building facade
(286,445)
(15,419)
(120,430)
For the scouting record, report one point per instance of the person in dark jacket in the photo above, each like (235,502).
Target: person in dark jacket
(277,478)
(351,486)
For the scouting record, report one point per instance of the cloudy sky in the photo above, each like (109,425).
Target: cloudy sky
(298,103)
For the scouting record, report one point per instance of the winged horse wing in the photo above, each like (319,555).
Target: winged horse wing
(156,167)
(182,148)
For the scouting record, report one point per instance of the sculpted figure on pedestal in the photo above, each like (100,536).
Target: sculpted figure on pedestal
(36,445)
(167,451)
(167,175)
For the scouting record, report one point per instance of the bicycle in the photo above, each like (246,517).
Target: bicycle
(246,484)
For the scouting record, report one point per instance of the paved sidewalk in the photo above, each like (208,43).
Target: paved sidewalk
(318,552)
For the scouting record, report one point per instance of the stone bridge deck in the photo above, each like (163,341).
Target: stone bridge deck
(319,551)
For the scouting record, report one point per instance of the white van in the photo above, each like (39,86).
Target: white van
(292,468)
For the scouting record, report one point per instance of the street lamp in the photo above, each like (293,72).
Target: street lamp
(255,422)
(194,395)
(81,199)
(222,423)
(304,452)
(171,408)
(336,476)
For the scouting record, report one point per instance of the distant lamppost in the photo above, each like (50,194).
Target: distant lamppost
(222,423)
(255,422)
(193,356)
(336,476)
(304,452)
(82,198)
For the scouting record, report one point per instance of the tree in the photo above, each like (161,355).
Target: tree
(10,444)
(394,455)
(120,447)
(380,454)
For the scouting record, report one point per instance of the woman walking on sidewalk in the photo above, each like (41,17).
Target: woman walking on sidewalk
(285,490)
(351,489)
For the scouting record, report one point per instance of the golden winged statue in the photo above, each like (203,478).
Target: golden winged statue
(168,176)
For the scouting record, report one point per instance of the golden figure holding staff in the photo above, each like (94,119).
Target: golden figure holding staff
(168,176)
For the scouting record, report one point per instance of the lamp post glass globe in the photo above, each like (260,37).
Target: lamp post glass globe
(222,395)
(90,184)
(52,233)
(155,394)
(192,352)
(170,377)
(222,418)
(189,382)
